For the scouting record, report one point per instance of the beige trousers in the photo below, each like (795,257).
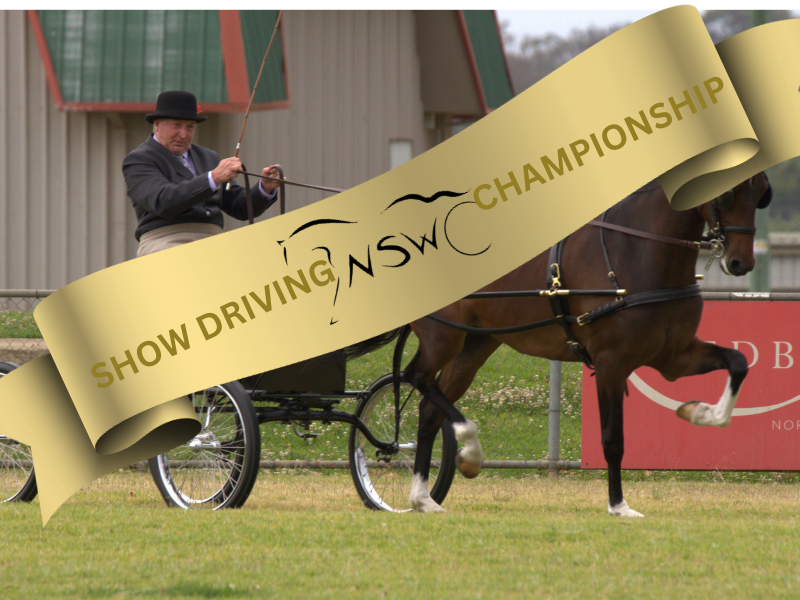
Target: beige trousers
(175,235)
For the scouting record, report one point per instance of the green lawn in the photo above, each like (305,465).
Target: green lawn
(18,325)
(305,535)
(509,401)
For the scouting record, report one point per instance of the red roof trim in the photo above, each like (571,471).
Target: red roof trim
(47,60)
(472,62)
(283,59)
(233,57)
(148,107)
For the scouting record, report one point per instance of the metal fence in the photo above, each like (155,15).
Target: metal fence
(20,341)
(528,410)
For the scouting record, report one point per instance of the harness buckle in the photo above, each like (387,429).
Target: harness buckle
(553,291)
(555,284)
(556,274)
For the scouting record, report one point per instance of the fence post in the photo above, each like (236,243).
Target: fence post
(554,419)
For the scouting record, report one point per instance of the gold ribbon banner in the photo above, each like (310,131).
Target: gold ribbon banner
(655,99)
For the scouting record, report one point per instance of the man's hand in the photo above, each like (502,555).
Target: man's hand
(267,185)
(226,170)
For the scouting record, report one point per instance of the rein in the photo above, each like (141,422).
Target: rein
(707,245)
(305,185)
(714,241)
(249,196)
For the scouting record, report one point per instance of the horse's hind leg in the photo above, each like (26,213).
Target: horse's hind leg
(438,397)
(470,456)
(434,408)
(454,382)
(430,420)
(702,357)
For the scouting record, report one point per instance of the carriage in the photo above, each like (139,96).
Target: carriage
(218,467)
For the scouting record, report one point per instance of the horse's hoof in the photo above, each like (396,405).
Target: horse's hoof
(429,508)
(623,510)
(420,498)
(468,469)
(686,410)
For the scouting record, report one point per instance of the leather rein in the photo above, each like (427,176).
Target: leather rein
(714,241)
(284,182)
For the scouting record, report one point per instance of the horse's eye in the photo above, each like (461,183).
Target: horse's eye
(725,201)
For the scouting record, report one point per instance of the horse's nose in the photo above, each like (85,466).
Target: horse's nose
(737,268)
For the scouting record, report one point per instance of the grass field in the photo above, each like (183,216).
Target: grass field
(306,535)
(508,534)
(508,400)
(18,325)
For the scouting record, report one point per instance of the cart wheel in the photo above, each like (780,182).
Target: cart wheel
(218,467)
(383,486)
(17,479)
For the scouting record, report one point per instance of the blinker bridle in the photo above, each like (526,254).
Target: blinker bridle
(716,234)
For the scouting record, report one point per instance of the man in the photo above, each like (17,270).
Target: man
(177,188)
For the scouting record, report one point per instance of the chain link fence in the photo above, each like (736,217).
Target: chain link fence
(20,339)
(510,401)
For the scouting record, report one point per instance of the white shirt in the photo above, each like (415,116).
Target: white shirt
(212,184)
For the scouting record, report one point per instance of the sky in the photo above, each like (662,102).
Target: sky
(561,22)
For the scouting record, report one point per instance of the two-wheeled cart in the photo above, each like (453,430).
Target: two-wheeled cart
(218,467)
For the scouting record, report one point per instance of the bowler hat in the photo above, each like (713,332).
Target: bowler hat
(176,105)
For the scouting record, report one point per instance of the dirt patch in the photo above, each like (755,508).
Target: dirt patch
(21,350)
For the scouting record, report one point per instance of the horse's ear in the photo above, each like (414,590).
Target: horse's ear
(766,198)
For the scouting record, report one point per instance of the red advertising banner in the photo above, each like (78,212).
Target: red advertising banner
(764,433)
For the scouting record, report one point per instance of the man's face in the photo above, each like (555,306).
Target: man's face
(175,135)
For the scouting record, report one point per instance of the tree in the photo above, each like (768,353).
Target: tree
(536,56)
(722,24)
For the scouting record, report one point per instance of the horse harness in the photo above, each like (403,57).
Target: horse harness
(714,242)
(556,294)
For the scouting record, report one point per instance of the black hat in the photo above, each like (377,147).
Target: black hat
(176,105)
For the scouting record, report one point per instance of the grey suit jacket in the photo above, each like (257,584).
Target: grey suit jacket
(164,192)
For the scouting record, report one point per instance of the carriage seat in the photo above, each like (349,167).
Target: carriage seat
(321,375)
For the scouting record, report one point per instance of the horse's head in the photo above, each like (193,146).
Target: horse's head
(732,217)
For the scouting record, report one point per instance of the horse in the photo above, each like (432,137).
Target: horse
(642,245)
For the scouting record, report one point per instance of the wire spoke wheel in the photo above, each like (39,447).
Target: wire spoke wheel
(17,478)
(386,484)
(218,467)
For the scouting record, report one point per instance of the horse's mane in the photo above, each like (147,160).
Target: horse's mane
(649,186)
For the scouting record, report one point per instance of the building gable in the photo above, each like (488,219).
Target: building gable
(121,60)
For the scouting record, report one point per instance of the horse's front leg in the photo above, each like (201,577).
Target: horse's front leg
(702,357)
(610,390)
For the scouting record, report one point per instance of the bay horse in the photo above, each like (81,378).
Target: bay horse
(642,245)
